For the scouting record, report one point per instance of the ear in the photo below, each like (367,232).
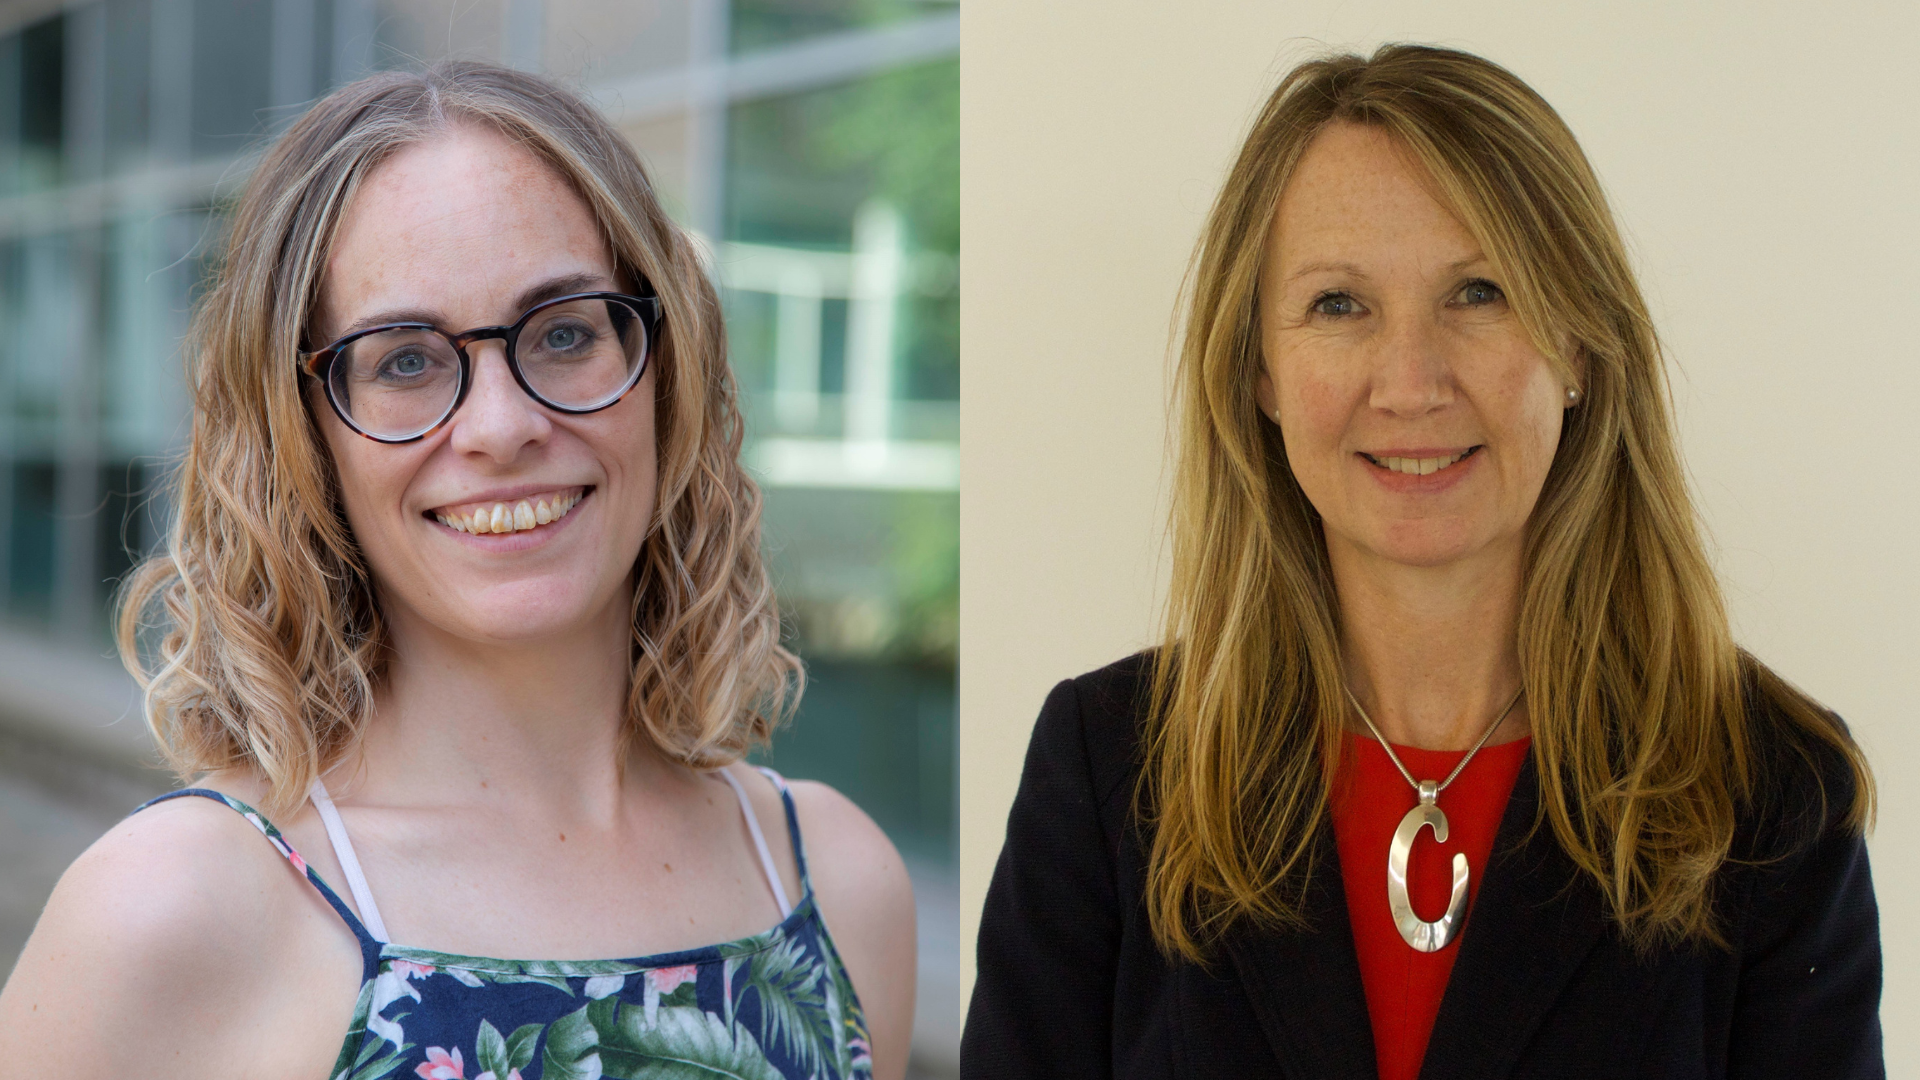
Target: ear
(1264,393)
(1575,392)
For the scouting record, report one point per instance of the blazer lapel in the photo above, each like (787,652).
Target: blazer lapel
(1533,921)
(1305,985)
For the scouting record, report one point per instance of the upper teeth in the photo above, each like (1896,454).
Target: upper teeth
(511,517)
(1419,466)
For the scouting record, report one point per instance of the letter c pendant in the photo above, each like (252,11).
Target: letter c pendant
(1422,935)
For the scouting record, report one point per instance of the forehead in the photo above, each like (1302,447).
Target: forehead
(454,222)
(1358,192)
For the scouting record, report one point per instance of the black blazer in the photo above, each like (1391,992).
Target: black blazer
(1071,985)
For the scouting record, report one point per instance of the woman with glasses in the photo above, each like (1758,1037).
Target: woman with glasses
(1448,764)
(463,631)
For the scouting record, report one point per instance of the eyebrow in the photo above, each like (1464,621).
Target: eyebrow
(1355,271)
(533,294)
(1323,267)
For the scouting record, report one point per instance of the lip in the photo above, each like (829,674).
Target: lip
(1420,451)
(505,495)
(1433,483)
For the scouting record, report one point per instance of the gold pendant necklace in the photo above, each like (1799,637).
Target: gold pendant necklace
(1415,931)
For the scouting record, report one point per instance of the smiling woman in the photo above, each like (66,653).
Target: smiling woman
(477,619)
(1447,764)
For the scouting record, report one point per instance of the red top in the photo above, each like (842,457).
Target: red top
(1404,986)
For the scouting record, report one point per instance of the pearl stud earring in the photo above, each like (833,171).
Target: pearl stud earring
(1573,395)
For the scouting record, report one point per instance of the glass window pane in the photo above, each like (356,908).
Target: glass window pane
(231,84)
(43,80)
(841,217)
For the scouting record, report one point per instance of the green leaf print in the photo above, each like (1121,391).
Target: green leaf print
(363,1065)
(573,1049)
(836,1016)
(365,1069)
(502,1056)
(477,971)
(681,1044)
(792,1009)
(853,1021)
(356,1035)
(558,982)
(520,1046)
(490,1051)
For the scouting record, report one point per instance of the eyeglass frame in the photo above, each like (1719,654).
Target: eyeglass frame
(318,363)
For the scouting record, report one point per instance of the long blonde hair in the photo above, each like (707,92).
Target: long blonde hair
(269,633)
(1639,699)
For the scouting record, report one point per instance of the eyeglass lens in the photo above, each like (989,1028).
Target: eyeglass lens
(579,354)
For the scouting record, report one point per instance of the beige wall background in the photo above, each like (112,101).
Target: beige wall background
(1761,158)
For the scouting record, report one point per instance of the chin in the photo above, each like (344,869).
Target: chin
(524,612)
(1426,544)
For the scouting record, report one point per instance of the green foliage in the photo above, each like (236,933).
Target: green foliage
(573,1048)
(619,1042)
(366,1064)
(501,1056)
(759,24)
(926,568)
(903,126)
(367,1067)
(785,980)
(853,1024)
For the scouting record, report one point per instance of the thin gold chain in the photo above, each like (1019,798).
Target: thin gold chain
(1395,758)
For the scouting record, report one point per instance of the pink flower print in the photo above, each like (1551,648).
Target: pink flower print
(862,1053)
(512,1074)
(667,980)
(286,849)
(407,969)
(261,825)
(441,1065)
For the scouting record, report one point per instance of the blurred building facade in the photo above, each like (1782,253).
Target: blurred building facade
(813,143)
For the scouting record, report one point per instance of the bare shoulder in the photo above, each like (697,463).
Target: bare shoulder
(163,883)
(851,862)
(161,923)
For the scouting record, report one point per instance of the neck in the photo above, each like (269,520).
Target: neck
(535,723)
(1432,652)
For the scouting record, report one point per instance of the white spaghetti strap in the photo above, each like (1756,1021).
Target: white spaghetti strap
(349,864)
(759,844)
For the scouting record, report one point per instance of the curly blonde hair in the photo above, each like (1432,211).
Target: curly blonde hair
(257,634)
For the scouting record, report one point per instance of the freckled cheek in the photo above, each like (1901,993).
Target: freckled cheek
(373,491)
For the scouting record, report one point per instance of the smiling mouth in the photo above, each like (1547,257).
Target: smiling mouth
(506,517)
(1421,466)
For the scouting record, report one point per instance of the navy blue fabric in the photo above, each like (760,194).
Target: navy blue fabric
(774,1006)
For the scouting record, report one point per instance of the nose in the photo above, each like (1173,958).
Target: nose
(498,420)
(1412,374)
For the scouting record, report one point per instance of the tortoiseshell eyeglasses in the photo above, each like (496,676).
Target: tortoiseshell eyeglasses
(574,354)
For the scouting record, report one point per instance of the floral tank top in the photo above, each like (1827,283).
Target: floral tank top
(774,1006)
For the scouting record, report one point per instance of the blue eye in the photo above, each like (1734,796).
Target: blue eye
(404,365)
(564,338)
(1335,304)
(1478,292)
